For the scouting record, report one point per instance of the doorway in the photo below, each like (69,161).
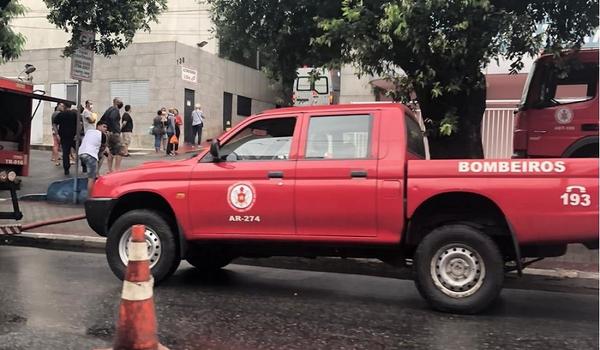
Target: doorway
(189,102)
(227,110)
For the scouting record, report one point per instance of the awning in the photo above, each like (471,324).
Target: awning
(37,96)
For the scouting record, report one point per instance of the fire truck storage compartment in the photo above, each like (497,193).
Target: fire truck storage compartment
(15,121)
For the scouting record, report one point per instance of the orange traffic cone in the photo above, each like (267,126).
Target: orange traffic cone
(136,328)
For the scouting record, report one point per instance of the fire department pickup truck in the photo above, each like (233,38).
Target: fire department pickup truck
(350,181)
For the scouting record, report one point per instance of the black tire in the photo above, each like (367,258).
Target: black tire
(167,260)
(468,272)
(206,259)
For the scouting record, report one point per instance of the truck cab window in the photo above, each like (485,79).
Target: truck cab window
(550,86)
(339,137)
(414,137)
(267,139)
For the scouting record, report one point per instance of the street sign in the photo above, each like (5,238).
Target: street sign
(190,75)
(82,60)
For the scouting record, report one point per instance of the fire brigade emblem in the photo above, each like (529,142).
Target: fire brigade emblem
(241,196)
(563,116)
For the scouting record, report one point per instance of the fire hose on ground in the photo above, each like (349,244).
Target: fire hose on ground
(18,228)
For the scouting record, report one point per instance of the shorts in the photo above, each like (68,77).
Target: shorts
(126,138)
(90,163)
(115,146)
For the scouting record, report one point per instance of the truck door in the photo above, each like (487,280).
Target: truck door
(336,176)
(251,190)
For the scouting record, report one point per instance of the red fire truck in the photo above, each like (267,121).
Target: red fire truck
(16,102)
(558,115)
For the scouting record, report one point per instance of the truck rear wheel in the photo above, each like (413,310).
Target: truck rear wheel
(458,269)
(162,247)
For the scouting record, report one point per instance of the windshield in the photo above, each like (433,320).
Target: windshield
(549,85)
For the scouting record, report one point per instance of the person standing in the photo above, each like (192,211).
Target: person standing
(170,132)
(157,130)
(163,119)
(112,117)
(197,124)
(55,138)
(126,130)
(66,122)
(178,124)
(88,117)
(88,152)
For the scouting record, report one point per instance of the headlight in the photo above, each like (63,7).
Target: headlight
(12,176)
(3,175)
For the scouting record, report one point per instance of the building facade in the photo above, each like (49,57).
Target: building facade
(175,65)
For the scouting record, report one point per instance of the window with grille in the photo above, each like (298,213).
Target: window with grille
(133,92)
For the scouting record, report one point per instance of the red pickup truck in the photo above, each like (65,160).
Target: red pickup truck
(350,181)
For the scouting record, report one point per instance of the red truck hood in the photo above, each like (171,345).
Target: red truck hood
(150,175)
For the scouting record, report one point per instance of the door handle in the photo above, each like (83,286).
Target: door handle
(539,131)
(358,174)
(275,175)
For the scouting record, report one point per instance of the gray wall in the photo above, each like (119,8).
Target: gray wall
(157,63)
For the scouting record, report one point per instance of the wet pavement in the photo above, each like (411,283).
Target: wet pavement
(65,300)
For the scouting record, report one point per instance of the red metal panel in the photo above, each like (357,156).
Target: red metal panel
(529,192)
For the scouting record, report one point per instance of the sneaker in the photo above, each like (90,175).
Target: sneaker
(67,173)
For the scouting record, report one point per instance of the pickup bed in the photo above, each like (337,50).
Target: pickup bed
(351,181)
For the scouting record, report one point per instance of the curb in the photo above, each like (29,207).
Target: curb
(552,280)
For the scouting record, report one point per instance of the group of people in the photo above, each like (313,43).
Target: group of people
(166,128)
(109,137)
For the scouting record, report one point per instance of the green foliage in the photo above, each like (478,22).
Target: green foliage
(11,43)
(443,45)
(282,30)
(114,22)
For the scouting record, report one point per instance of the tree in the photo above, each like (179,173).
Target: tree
(443,45)
(11,43)
(281,30)
(114,22)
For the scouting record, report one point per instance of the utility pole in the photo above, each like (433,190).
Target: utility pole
(78,127)
(82,67)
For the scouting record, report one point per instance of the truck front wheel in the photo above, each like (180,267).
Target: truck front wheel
(458,269)
(162,248)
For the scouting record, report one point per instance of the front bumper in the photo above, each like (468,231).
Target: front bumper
(97,213)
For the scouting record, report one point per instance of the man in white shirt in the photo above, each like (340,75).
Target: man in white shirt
(197,124)
(88,151)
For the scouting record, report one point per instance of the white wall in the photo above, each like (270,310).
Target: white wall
(37,123)
(185,21)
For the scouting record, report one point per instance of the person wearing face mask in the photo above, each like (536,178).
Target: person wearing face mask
(88,117)
(112,117)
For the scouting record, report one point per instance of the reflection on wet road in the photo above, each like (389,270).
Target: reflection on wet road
(64,300)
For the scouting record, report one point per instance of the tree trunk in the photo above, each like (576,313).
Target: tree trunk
(469,105)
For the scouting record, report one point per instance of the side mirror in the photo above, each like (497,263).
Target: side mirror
(214,150)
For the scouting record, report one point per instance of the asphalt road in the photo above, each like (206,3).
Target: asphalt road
(65,300)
